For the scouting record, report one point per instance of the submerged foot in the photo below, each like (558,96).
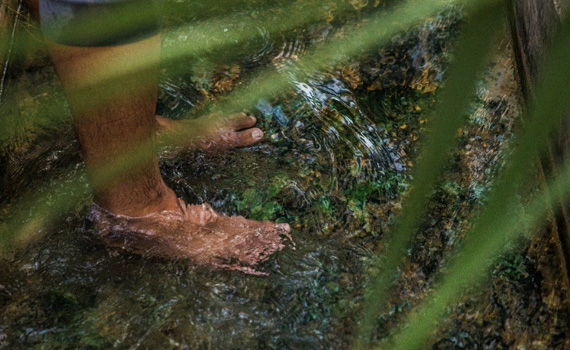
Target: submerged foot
(213,132)
(194,232)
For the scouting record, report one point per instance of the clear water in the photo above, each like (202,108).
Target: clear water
(335,161)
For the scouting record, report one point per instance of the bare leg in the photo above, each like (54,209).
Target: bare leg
(141,213)
(108,125)
(209,133)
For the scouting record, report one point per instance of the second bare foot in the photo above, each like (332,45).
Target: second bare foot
(213,132)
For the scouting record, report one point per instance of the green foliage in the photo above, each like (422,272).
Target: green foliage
(454,100)
(502,219)
(494,227)
(260,204)
(511,267)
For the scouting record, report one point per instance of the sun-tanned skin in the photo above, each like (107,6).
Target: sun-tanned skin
(196,232)
(217,131)
(140,212)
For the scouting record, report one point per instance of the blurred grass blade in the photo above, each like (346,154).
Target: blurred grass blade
(21,229)
(472,49)
(10,17)
(496,224)
(373,33)
(206,38)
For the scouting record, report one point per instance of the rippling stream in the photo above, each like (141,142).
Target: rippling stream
(336,158)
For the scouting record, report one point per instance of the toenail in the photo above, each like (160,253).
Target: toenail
(257,134)
(252,117)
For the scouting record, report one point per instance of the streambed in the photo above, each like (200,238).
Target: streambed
(336,159)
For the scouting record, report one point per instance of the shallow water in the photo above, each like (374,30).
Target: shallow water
(335,160)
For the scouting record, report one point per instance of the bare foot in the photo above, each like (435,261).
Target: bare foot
(213,132)
(194,232)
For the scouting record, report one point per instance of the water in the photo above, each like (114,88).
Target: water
(335,161)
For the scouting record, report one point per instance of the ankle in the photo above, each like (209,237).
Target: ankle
(137,203)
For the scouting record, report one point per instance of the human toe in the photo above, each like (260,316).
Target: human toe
(247,137)
(240,121)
